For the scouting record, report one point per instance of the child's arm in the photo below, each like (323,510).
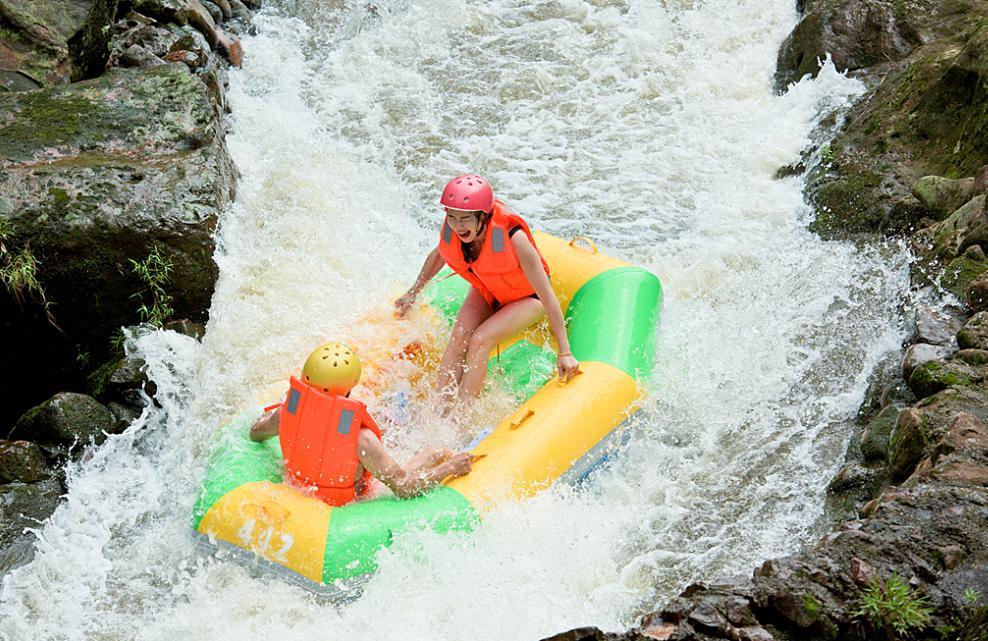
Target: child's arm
(406,483)
(266,427)
(531,264)
(433,263)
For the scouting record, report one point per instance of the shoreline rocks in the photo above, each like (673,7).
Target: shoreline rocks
(113,171)
(911,159)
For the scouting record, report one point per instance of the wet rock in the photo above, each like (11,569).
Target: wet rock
(189,58)
(974,334)
(973,356)
(907,444)
(22,461)
(122,381)
(935,326)
(50,42)
(920,353)
(875,438)
(856,33)
(241,13)
(943,196)
(22,506)
(706,618)
(138,56)
(123,416)
(66,417)
(755,633)
(192,12)
(96,175)
(588,634)
(856,482)
(936,94)
(931,377)
(976,295)
(214,11)
(187,327)
(963,228)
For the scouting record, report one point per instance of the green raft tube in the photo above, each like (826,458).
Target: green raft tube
(557,433)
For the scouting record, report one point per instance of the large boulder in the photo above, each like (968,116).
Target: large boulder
(856,33)
(23,506)
(926,117)
(50,42)
(94,177)
(66,418)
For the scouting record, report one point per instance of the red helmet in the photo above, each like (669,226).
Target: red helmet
(468,192)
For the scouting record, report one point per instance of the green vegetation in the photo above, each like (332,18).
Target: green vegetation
(893,609)
(19,273)
(155,271)
(971,624)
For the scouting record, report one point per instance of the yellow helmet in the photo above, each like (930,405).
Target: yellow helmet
(333,368)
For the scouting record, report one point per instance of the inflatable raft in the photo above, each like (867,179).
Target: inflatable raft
(558,433)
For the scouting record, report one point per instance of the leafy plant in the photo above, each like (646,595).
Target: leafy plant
(893,608)
(971,624)
(19,273)
(155,271)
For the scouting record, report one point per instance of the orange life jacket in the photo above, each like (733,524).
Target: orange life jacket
(318,434)
(496,272)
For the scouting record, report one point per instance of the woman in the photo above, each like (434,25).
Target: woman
(492,248)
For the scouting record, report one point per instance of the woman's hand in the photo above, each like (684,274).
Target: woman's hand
(403,304)
(568,366)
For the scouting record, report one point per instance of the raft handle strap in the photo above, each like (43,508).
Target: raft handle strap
(517,423)
(593,245)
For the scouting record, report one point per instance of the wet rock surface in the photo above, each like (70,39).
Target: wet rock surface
(97,176)
(113,170)
(50,42)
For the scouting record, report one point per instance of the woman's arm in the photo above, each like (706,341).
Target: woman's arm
(433,263)
(531,264)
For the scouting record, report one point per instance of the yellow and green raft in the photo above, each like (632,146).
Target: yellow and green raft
(558,433)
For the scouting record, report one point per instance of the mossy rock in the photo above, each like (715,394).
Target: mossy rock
(142,167)
(960,273)
(929,378)
(928,116)
(974,334)
(51,42)
(875,439)
(907,445)
(65,418)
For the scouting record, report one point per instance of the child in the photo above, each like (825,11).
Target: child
(509,280)
(332,445)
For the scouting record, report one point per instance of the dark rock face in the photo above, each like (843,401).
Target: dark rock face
(66,418)
(96,175)
(925,117)
(45,43)
(929,531)
(22,461)
(22,506)
(856,33)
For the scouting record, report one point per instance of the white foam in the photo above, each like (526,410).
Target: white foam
(651,127)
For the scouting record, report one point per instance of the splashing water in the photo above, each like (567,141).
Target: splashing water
(651,127)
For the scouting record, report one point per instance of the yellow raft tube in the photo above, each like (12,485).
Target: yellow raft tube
(558,433)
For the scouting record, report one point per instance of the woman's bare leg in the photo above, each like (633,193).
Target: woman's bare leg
(473,313)
(502,324)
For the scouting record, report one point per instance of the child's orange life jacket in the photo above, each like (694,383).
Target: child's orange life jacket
(318,434)
(496,273)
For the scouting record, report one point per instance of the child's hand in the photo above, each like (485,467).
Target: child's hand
(403,304)
(568,367)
